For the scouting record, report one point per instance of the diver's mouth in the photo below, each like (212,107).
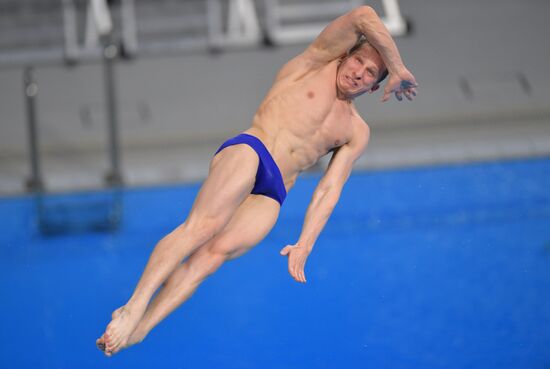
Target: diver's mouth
(350,81)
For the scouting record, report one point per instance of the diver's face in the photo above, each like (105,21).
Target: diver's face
(359,72)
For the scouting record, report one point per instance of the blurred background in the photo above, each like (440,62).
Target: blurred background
(437,255)
(185,81)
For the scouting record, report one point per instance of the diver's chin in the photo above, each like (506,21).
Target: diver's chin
(348,95)
(344,95)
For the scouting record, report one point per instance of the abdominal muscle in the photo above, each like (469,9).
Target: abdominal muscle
(297,129)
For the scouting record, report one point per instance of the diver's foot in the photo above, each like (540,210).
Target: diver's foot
(119,330)
(100,342)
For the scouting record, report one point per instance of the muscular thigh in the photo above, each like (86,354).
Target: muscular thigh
(252,221)
(230,180)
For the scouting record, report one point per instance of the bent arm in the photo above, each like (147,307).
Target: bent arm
(327,193)
(342,34)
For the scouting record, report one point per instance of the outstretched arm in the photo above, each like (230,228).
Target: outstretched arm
(342,33)
(324,200)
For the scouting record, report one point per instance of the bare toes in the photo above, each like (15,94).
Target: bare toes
(100,343)
(115,342)
(116,350)
(111,336)
(111,346)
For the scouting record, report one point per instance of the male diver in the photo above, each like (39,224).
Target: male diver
(307,113)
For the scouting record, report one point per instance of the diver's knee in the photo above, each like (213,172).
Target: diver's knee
(206,262)
(202,229)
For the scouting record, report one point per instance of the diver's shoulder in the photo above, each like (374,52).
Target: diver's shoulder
(361,129)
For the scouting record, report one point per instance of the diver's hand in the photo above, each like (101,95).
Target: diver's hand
(400,83)
(297,256)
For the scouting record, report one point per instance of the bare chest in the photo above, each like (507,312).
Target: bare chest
(335,129)
(303,120)
(309,109)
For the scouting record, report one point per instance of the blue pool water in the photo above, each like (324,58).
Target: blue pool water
(436,267)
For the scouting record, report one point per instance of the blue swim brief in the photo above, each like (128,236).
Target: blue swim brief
(269,181)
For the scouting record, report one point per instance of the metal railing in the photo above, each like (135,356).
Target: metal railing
(65,30)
